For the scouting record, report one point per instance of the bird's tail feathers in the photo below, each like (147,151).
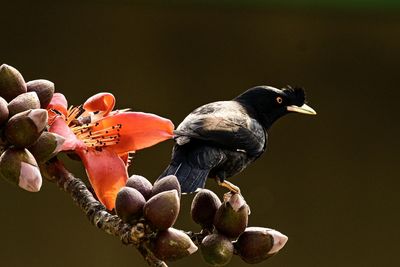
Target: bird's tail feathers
(190,178)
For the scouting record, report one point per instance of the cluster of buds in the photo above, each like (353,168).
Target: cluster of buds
(24,141)
(225,230)
(158,206)
(225,226)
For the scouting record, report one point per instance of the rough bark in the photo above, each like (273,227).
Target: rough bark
(136,235)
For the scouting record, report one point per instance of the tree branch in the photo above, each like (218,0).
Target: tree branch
(136,235)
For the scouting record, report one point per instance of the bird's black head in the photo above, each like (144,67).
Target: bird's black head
(267,104)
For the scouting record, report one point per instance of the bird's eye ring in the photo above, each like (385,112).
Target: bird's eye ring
(279,100)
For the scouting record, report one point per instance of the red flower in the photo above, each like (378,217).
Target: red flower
(103,138)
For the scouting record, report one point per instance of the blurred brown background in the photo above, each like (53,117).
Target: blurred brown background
(329,182)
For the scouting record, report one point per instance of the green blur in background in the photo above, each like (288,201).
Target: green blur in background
(329,182)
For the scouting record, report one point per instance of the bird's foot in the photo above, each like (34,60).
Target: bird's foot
(231,187)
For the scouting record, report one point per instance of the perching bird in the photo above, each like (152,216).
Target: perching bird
(220,139)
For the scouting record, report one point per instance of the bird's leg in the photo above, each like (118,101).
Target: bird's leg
(233,188)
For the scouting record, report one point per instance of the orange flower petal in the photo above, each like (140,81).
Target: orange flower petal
(52,115)
(107,174)
(139,130)
(100,102)
(59,103)
(71,141)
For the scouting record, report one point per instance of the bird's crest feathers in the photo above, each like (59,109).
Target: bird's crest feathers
(297,94)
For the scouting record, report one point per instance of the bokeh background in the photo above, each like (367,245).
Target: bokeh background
(329,182)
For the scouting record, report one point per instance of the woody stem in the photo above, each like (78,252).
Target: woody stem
(97,214)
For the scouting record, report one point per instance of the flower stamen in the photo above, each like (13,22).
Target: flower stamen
(92,138)
(79,130)
(99,138)
(74,113)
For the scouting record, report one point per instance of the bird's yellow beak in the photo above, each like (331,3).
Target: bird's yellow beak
(304,109)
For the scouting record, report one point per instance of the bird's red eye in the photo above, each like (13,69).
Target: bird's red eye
(279,100)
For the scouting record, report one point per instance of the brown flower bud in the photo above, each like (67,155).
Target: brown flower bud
(217,250)
(166,183)
(24,128)
(232,216)
(46,146)
(257,244)
(3,111)
(11,82)
(204,206)
(162,209)
(18,166)
(43,88)
(141,184)
(23,102)
(172,244)
(129,204)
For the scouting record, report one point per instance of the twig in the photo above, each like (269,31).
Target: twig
(198,237)
(97,214)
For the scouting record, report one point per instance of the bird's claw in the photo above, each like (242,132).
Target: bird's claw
(231,187)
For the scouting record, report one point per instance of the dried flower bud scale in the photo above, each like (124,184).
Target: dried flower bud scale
(162,210)
(47,146)
(279,241)
(12,83)
(204,206)
(217,250)
(30,178)
(166,183)
(24,128)
(44,89)
(23,102)
(102,137)
(18,166)
(129,204)
(257,244)
(232,216)
(172,244)
(4,113)
(141,184)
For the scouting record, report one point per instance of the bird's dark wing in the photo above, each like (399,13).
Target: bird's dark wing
(231,128)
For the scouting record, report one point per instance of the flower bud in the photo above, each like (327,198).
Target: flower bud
(23,102)
(43,88)
(18,166)
(172,244)
(166,183)
(257,244)
(129,204)
(141,184)
(232,216)
(46,146)
(217,250)
(204,206)
(162,209)
(3,111)
(11,82)
(24,128)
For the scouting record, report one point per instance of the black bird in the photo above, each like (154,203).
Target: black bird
(220,139)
